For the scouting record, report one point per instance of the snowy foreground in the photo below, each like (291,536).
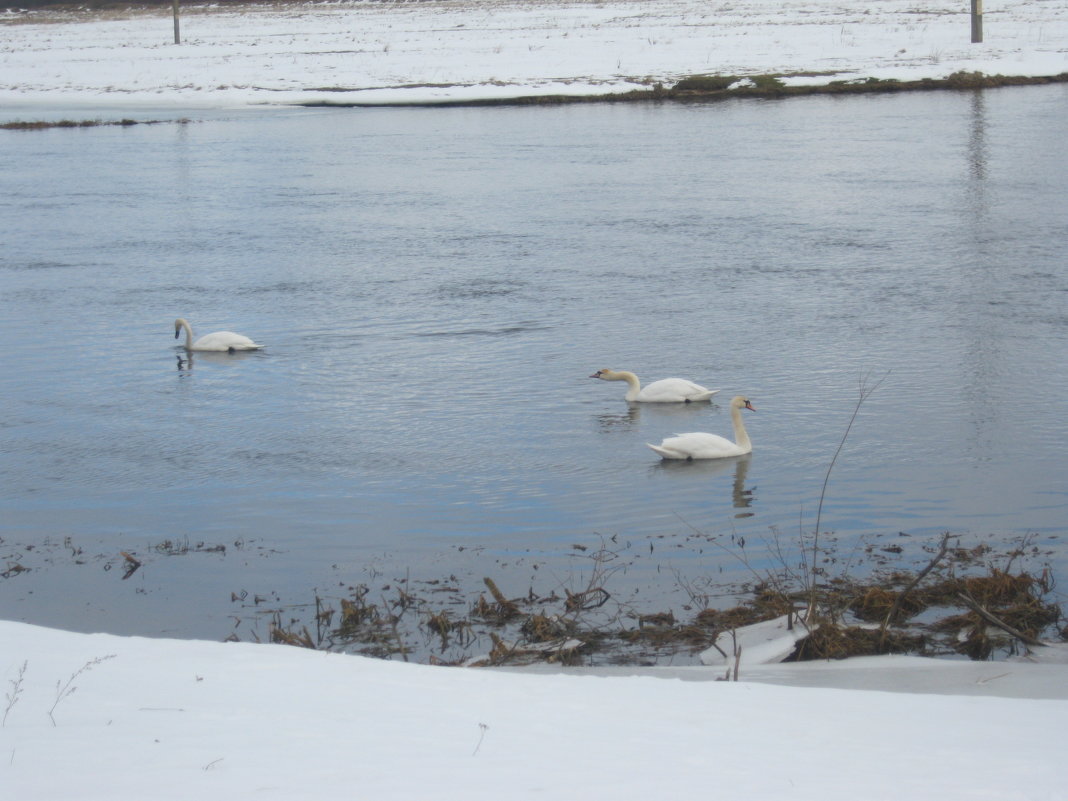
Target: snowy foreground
(432,51)
(163,719)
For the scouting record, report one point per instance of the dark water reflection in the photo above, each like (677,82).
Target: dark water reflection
(434,288)
(742,494)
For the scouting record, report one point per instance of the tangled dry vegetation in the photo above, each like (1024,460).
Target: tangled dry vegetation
(967,602)
(953,600)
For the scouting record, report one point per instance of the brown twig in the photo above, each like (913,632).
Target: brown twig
(587,600)
(132,564)
(506,607)
(990,618)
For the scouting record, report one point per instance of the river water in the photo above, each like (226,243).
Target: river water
(435,286)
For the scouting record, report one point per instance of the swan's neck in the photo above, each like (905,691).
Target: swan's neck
(635,386)
(741,437)
(188,333)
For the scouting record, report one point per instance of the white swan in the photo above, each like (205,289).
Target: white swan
(666,390)
(218,341)
(698,445)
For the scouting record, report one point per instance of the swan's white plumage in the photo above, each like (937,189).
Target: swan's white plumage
(217,341)
(700,445)
(666,390)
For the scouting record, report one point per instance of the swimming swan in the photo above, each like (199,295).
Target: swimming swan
(666,390)
(698,445)
(218,341)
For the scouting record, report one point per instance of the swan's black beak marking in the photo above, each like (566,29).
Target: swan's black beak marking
(596,375)
(176,333)
(750,406)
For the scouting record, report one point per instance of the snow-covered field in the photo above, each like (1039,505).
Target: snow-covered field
(464,49)
(127,719)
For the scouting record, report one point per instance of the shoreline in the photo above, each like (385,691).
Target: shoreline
(962,82)
(771,90)
(440,53)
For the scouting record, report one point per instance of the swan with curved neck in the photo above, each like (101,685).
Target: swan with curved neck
(666,390)
(217,341)
(699,445)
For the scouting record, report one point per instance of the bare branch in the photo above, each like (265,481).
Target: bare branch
(865,393)
(990,618)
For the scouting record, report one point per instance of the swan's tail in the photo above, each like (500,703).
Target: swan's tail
(705,395)
(668,453)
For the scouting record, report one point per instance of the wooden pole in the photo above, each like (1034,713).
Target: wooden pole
(178,38)
(977,20)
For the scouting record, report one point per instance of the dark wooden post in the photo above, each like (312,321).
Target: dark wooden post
(178,38)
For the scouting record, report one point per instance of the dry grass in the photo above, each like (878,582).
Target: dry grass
(528,629)
(840,642)
(875,605)
(972,602)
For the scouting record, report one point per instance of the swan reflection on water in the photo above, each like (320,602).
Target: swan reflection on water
(186,358)
(617,420)
(741,497)
(661,411)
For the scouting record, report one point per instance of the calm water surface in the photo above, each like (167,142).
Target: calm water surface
(435,286)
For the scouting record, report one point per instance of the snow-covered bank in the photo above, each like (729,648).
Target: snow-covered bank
(165,719)
(464,49)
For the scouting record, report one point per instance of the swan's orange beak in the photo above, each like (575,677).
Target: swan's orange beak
(596,375)
(750,406)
